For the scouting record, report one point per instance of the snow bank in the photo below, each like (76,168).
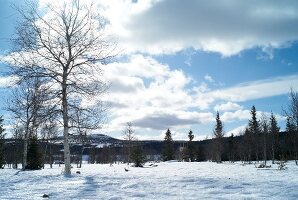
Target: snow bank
(171,180)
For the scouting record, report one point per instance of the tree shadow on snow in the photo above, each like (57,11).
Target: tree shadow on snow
(88,189)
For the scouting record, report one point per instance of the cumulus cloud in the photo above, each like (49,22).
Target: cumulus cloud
(227,106)
(154,96)
(236,115)
(226,27)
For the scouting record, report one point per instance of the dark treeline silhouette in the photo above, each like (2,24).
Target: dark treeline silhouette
(233,148)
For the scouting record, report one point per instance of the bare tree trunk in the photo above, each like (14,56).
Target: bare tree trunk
(82,150)
(25,153)
(81,156)
(67,170)
(45,154)
(26,136)
(265,151)
(273,154)
(50,156)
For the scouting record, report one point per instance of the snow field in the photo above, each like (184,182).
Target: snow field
(169,180)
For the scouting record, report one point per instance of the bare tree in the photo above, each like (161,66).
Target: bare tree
(129,136)
(17,135)
(49,131)
(265,131)
(65,45)
(26,105)
(83,119)
(292,110)
(292,122)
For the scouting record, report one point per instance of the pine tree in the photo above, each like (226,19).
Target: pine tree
(34,157)
(217,141)
(168,151)
(231,147)
(254,124)
(218,131)
(190,146)
(2,159)
(274,131)
(254,134)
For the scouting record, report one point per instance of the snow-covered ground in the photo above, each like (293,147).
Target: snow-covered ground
(170,180)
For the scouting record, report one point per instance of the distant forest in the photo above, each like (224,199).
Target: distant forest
(262,140)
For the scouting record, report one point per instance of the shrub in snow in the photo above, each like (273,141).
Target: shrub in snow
(34,157)
(137,156)
(282,165)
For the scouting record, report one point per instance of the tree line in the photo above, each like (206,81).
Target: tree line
(260,141)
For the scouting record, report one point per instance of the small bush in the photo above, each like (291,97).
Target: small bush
(137,156)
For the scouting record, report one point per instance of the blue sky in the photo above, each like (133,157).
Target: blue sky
(182,61)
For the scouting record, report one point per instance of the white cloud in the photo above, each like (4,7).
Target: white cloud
(257,89)
(226,27)
(150,95)
(236,131)
(227,106)
(241,114)
(154,97)
(235,116)
(208,78)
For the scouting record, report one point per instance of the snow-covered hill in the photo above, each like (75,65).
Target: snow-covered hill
(93,139)
(168,180)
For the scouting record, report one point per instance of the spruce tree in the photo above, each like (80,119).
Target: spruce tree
(190,146)
(218,131)
(217,141)
(34,157)
(168,151)
(254,124)
(2,159)
(254,129)
(274,131)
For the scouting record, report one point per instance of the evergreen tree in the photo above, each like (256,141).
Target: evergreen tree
(231,148)
(137,156)
(168,151)
(274,131)
(190,146)
(254,124)
(34,157)
(217,141)
(218,131)
(2,159)
(254,134)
